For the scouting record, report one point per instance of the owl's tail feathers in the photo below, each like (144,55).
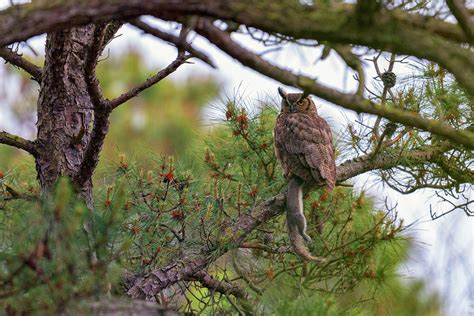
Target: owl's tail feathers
(296,220)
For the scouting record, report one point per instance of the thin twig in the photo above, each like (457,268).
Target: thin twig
(15,195)
(219,286)
(179,42)
(386,90)
(17,60)
(353,61)
(181,59)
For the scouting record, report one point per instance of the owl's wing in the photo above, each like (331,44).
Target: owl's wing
(310,137)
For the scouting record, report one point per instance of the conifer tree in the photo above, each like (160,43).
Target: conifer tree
(201,231)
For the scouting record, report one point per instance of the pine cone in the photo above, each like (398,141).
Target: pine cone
(390,128)
(389,79)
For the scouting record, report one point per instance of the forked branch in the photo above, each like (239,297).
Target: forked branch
(103,34)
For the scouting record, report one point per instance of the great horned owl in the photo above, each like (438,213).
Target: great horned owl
(303,145)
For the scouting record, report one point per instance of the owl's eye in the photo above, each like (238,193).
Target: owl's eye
(300,102)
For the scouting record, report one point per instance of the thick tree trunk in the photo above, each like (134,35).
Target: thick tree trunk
(65,109)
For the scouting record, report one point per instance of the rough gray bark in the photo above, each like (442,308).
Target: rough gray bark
(65,109)
(73,118)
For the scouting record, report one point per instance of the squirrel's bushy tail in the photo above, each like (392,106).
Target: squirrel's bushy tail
(296,220)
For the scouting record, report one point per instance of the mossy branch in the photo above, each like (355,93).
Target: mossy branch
(348,101)
(18,142)
(463,17)
(397,31)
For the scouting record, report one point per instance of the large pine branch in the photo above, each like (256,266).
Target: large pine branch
(396,31)
(354,102)
(184,268)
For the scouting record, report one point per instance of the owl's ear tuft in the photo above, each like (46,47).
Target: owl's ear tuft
(283,93)
(304,95)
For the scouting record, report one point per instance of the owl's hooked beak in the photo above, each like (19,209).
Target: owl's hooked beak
(291,106)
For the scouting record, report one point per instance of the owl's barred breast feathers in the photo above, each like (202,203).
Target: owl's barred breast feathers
(303,144)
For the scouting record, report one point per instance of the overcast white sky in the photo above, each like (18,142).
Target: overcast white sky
(432,256)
